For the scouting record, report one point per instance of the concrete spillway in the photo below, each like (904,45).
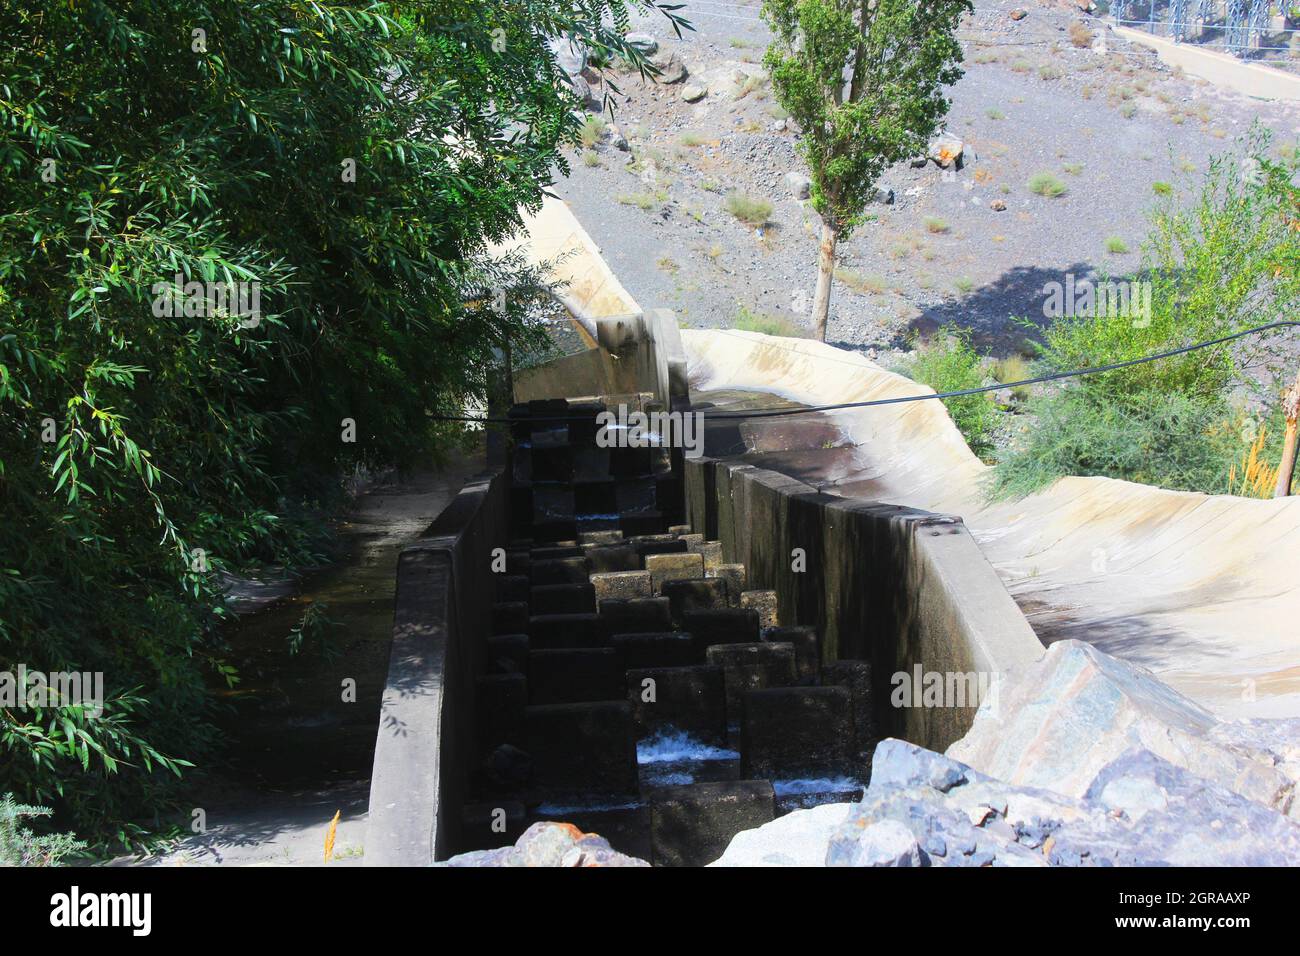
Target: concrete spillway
(1199,588)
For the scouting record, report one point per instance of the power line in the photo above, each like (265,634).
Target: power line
(901,399)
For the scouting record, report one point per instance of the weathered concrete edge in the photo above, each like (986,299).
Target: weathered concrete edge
(425,735)
(894,585)
(1252,79)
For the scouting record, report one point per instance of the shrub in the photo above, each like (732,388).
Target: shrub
(1214,267)
(1080,35)
(1116,245)
(593,128)
(949,364)
(767,324)
(1045,184)
(1160,438)
(935,225)
(864,284)
(748,209)
(19,846)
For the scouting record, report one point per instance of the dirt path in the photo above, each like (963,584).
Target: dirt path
(297,752)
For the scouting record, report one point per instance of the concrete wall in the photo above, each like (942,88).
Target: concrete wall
(1222,69)
(893,585)
(635,353)
(424,753)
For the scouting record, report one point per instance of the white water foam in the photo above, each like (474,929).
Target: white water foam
(679,747)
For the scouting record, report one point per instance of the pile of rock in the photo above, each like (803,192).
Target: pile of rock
(549,844)
(1079,760)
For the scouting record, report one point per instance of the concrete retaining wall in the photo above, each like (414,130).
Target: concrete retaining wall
(425,749)
(893,585)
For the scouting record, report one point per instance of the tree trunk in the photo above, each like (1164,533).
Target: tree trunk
(1291,408)
(825,270)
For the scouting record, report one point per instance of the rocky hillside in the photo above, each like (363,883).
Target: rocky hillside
(694,188)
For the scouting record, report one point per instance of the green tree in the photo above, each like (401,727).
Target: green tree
(864,79)
(349,162)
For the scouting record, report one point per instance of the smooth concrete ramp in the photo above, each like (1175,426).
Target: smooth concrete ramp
(1201,589)
(555,241)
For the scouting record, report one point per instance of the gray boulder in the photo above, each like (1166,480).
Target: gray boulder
(1139,810)
(643,42)
(800,186)
(670,66)
(1057,722)
(548,845)
(796,839)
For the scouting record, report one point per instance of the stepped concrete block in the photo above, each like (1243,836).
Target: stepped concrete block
(500,701)
(700,595)
(508,654)
(764,602)
(628,462)
(510,617)
(791,732)
(659,537)
(554,530)
(669,494)
(856,676)
(731,625)
(571,676)
(590,463)
(634,495)
(552,552)
(680,529)
(550,435)
(747,667)
(710,551)
(693,542)
(519,561)
(673,567)
(553,503)
(622,585)
(573,570)
(610,558)
(560,631)
(692,825)
(562,599)
(640,522)
(670,546)
(807,649)
(485,826)
(513,588)
(734,575)
(689,700)
(634,615)
(595,497)
(665,649)
(553,464)
(600,537)
(582,748)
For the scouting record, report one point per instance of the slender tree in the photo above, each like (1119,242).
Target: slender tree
(865,81)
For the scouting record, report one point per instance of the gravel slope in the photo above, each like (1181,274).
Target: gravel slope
(1107,123)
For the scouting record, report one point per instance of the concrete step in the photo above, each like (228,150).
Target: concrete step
(792,732)
(562,599)
(634,615)
(575,570)
(658,649)
(561,631)
(731,625)
(584,749)
(693,825)
(747,667)
(688,700)
(575,675)
(705,594)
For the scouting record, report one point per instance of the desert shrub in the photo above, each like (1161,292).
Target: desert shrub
(748,209)
(1045,184)
(768,324)
(1228,261)
(948,364)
